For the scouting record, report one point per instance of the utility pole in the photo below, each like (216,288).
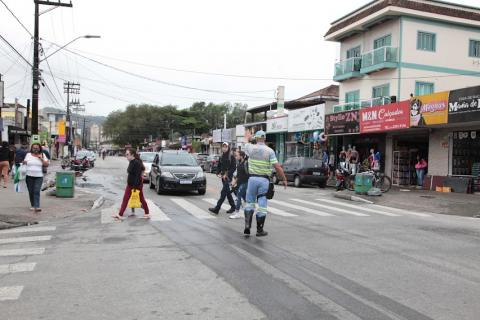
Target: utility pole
(71,88)
(36,59)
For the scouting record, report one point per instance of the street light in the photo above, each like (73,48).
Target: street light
(88,36)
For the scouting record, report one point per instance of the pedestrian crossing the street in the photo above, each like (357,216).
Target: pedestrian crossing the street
(284,208)
(26,238)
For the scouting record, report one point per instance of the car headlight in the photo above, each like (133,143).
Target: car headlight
(200,174)
(167,174)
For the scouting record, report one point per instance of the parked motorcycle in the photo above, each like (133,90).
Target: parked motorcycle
(345,180)
(80,164)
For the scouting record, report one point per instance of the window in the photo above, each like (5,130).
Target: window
(381,91)
(423,88)
(474,49)
(354,52)
(352,96)
(384,41)
(426,41)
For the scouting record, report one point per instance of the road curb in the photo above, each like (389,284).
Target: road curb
(352,198)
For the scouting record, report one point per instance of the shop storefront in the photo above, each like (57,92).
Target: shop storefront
(277,127)
(306,136)
(341,129)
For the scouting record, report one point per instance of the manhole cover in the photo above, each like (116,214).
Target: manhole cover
(428,197)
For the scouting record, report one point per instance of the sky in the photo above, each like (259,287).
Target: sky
(146,46)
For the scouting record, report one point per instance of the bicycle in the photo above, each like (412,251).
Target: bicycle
(381,181)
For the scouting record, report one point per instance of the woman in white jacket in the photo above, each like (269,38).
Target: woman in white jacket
(35,160)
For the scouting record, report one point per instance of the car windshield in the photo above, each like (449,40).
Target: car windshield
(313,163)
(178,159)
(147,156)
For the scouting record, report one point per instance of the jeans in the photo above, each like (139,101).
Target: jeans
(34,185)
(242,193)
(420,175)
(226,193)
(126,198)
(256,187)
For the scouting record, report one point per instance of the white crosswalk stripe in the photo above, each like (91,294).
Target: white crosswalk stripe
(10,293)
(359,207)
(192,209)
(358,214)
(25,239)
(17,267)
(156,214)
(21,252)
(296,207)
(271,210)
(214,202)
(28,230)
(401,211)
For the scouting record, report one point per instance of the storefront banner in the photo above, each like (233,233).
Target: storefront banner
(277,124)
(464,105)
(61,127)
(343,123)
(61,139)
(393,116)
(240,130)
(306,119)
(429,109)
(226,135)
(217,136)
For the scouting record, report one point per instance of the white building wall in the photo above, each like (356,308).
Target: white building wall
(438,155)
(366,84)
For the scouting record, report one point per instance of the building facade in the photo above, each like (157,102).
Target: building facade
(417,52)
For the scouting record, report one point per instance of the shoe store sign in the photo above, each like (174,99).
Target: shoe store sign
(464,105)
(394,116)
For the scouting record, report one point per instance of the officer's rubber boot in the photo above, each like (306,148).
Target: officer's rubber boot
(248,221)
(260,223)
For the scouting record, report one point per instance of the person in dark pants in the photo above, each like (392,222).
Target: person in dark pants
(35,161)
(226,167)
(134,181)
(241,182)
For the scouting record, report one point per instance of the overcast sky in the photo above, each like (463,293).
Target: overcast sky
(272,38)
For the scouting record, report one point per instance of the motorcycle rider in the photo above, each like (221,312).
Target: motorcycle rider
(261,160)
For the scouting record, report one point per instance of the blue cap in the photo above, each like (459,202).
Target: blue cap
(260,134)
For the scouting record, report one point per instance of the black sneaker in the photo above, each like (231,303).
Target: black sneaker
(213,210)
(232,210)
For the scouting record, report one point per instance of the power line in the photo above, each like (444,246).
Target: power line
(56,85)
(236,93)
(18,20)
(15,50)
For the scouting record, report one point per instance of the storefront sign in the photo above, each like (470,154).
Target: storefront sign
(429,109)
(306,119)
(217,135)
(343,123)
(226,135)
(464,105)
(61,127)
(277,124)
(393,116)
(240,130)
(18,131)
(61,139)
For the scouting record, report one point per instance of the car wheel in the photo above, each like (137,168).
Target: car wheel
(202,191)
(296,182)
(275,179)
(157,187)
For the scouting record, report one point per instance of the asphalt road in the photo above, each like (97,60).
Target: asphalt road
(324,258)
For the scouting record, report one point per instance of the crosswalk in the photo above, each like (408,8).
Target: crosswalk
(27,238)
(325,207)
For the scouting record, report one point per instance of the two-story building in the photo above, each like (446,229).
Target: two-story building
(396,50)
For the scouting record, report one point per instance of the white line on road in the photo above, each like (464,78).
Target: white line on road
(106,215)
(294,206)
(10,293)
(214,202)
(28,229)
(413,213)
(359,207)
(17,267)
(156,214)
(271,210)
(192,209)
(358,214)
(25,239)
(21,252)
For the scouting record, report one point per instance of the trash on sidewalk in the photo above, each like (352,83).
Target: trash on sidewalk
(405,190)
(374,192)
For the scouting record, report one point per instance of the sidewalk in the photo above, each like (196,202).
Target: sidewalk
(15,207)
(461,204)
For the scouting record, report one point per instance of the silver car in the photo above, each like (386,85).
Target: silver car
(147,158)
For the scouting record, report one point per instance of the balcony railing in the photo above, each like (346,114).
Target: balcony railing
(349,68)
(361,104)
(381,58)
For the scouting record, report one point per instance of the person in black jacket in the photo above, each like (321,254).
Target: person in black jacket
(226,167)
(240,182)
(134,181)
